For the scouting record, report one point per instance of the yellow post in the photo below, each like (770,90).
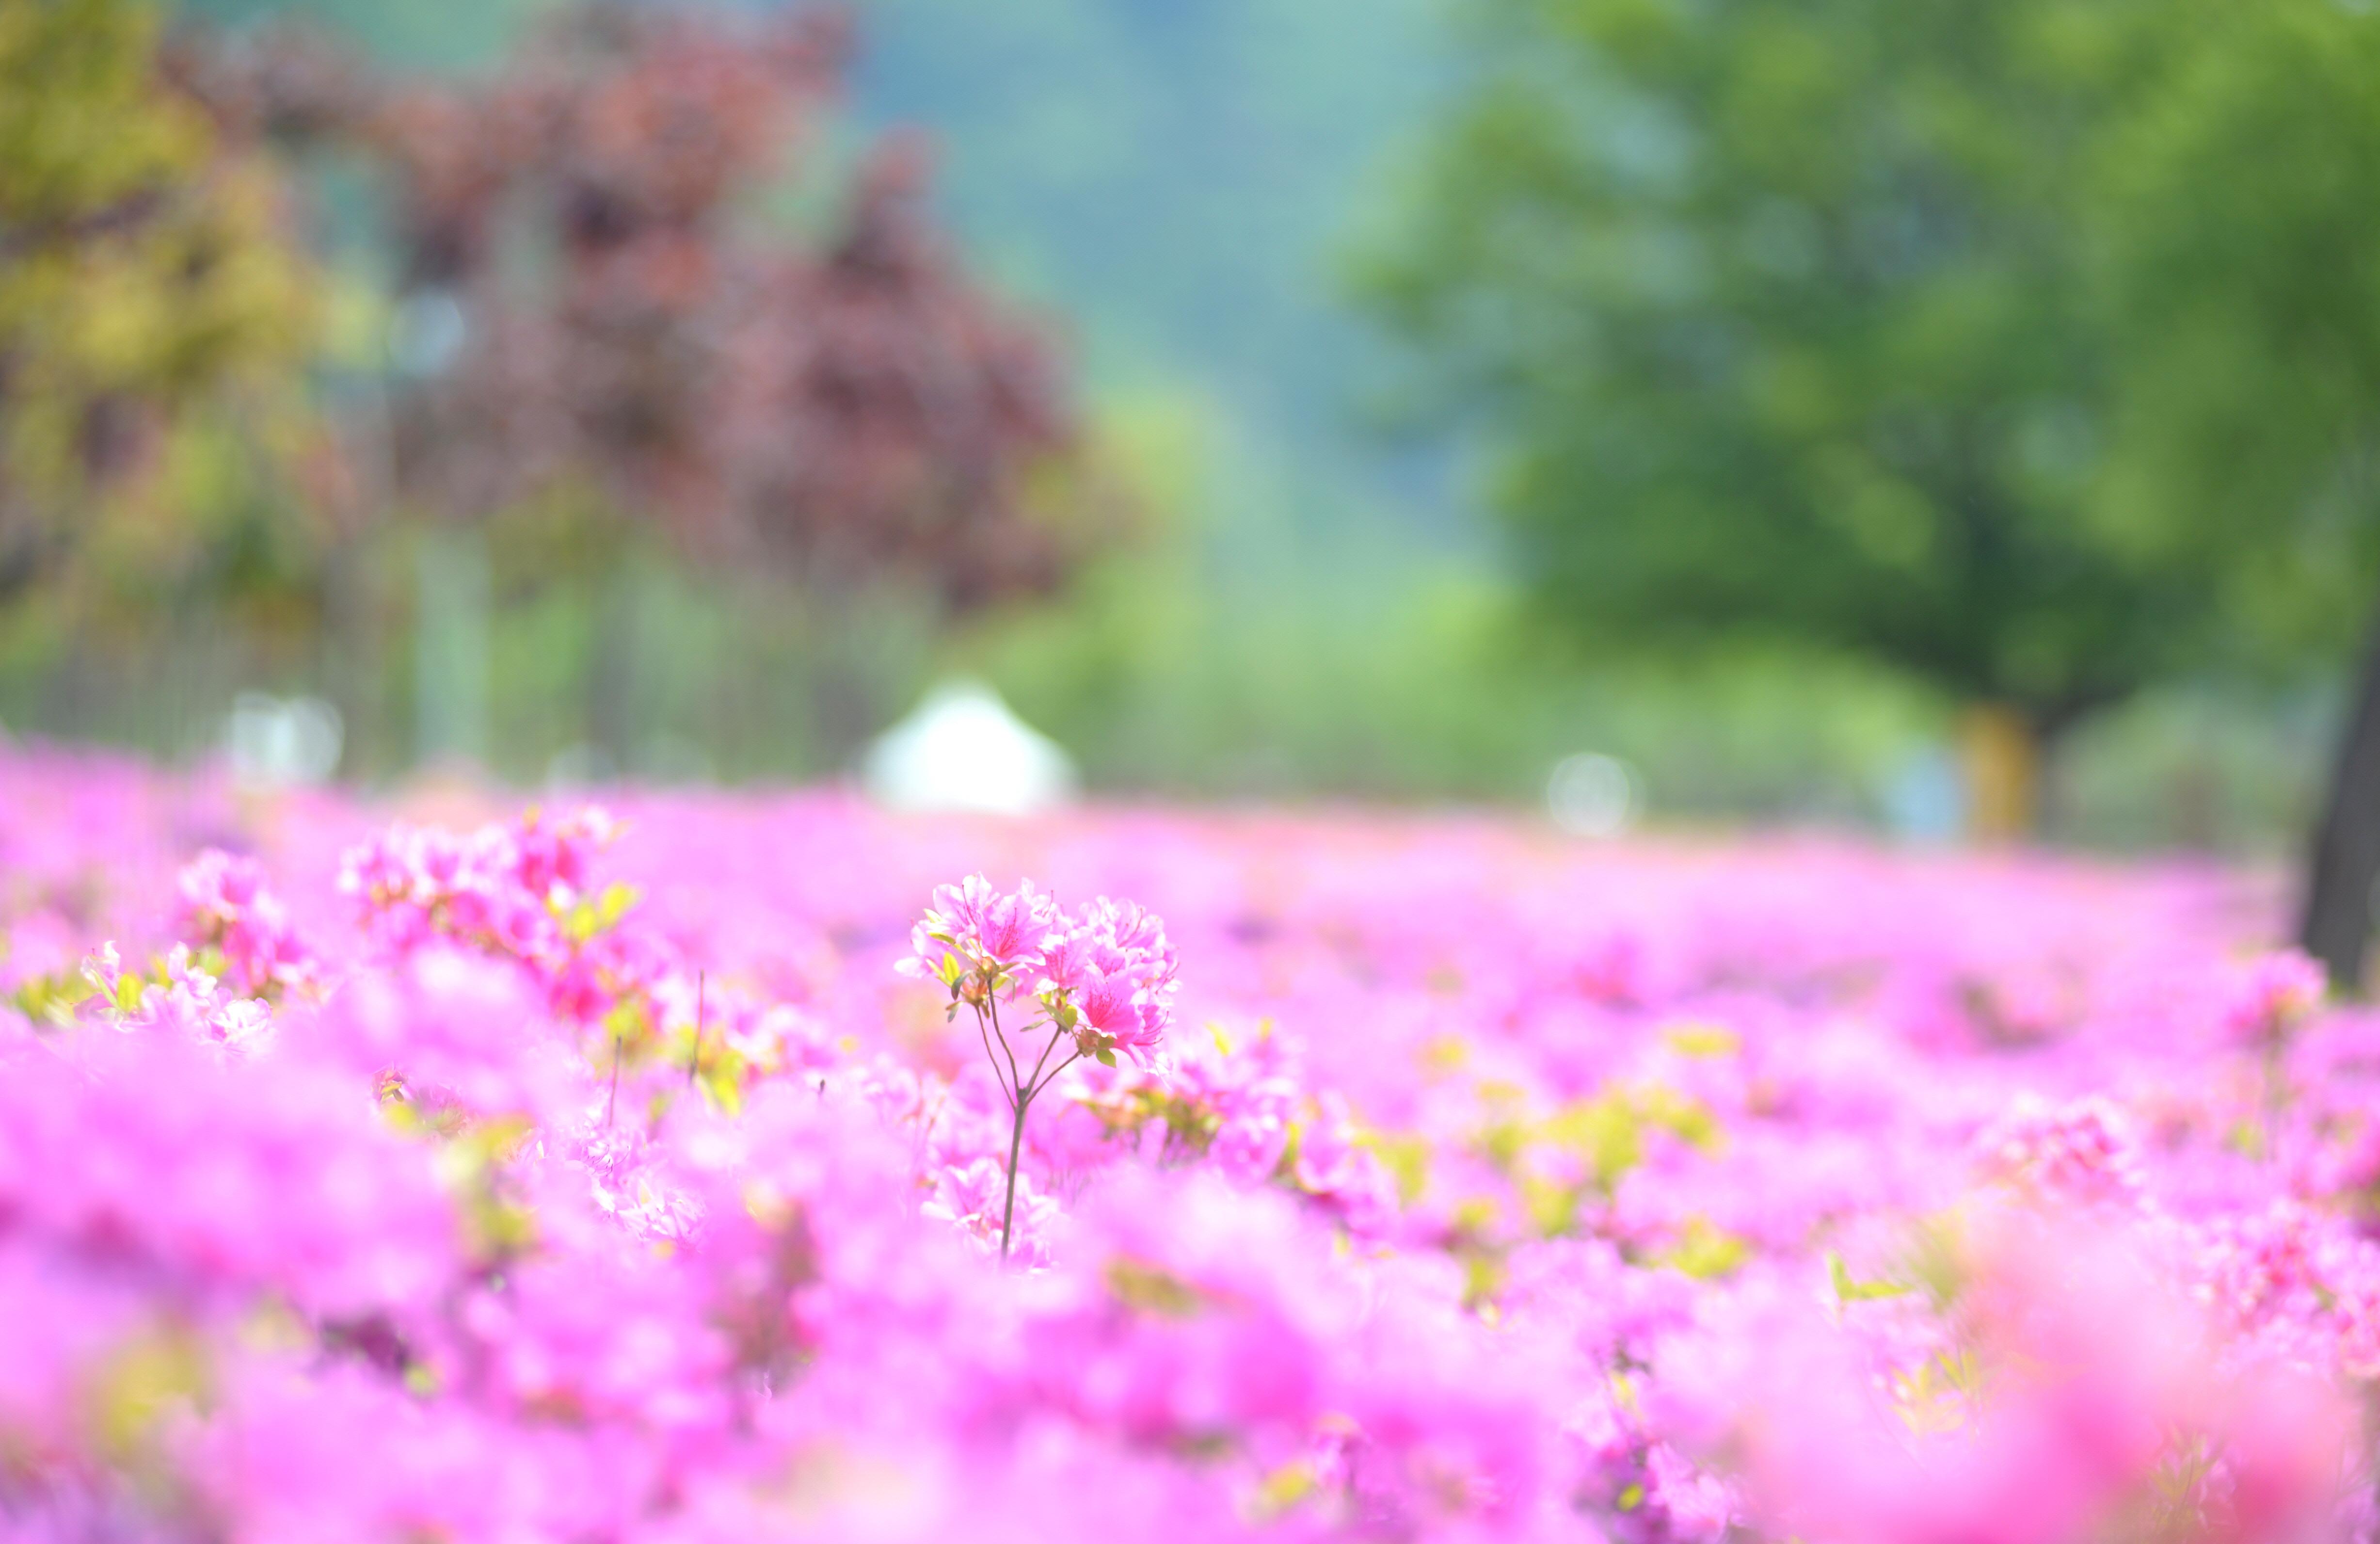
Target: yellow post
(2001,756)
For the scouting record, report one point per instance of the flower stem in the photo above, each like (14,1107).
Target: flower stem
(1015,1141)
(2276,1092)
(611,1100)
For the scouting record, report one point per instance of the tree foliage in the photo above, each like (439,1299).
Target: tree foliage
(153,311)
(2005,342)
(592,294)
(2241,224)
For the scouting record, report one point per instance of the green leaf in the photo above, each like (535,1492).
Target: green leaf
(52,999)
(1704,1251)
(1702,1039)
(1850,1291)
(617,900)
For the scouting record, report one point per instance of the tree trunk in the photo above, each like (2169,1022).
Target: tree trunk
(1999,751)
(2337,926)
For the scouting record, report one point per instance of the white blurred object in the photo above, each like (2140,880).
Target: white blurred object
(1592,795)
(275,741)
(963,749)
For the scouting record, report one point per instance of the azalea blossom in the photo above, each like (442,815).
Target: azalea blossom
(566,1175)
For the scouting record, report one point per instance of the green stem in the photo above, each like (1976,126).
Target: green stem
(2276,1095)
(1015,1141)
(612,1101)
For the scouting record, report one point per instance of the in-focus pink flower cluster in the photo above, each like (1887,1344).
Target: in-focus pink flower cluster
(1103,981)
(1105,975)
(563,1177)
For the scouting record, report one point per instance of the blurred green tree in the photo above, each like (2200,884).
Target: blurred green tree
(155,321)
(2241,224)
(1855,322)
(641,312)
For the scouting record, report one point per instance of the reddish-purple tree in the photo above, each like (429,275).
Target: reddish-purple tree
(589,296)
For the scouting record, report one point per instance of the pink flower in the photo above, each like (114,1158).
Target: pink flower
(1114,1011)
(2277,992)
(526,894)
(980,931)
(521,1230)
(2078,1153)
(226,905)
(1108,974)
(972,1200)
(188,1003)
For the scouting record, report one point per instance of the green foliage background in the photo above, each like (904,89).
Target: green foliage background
(2021,347)
(1311,608)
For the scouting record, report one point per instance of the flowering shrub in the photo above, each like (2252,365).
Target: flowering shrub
(1103,982)
(563,1176)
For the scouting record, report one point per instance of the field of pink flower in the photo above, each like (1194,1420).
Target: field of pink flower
(468,1174)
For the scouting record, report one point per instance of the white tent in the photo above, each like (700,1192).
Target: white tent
(962,748)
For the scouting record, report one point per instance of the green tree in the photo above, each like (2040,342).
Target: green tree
(154,319)
(2242,226)
(1821,319)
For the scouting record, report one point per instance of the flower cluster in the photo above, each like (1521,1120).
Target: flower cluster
(1103,979)
(1105,975)
(226,907)
(2277,991)
(521,892)
(184,999)
(1467,1189)
(2080,1154)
